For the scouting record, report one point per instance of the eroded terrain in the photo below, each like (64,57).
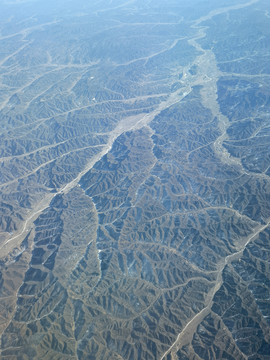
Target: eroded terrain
(135,189)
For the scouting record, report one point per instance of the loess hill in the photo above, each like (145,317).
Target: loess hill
(135,180)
